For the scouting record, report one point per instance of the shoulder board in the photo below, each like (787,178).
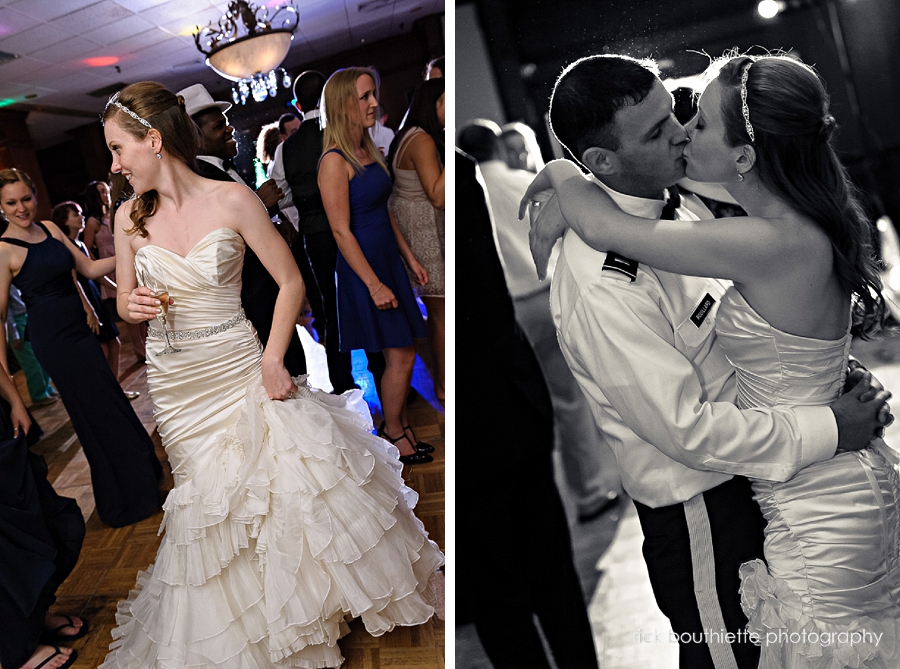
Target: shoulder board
(616,263)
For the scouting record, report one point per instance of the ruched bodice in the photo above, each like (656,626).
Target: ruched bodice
(205,284)
(832,544)
(775,368)
(286,517)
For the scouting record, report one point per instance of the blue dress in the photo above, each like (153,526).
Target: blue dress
(124,467)
(361,324)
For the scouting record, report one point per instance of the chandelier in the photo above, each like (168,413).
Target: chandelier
(247,46)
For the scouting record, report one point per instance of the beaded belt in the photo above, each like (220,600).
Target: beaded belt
(199,333)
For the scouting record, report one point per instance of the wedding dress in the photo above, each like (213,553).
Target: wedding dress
(286,519)
(828,594)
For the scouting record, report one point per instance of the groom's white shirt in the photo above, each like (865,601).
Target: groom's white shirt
(659,385)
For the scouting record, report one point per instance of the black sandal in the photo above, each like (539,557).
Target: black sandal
(420,446)
(416,458)
(69,623)
(69,663)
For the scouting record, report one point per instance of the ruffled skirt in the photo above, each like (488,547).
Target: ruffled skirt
(298,521)
(830,595)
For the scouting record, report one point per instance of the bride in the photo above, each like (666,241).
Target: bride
(288,516)
(828,594)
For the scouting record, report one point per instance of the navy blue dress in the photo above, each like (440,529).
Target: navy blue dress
(124,467)
(361,324)
(108,328)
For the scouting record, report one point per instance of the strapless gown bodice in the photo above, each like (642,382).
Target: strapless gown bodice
(286,517)
(205,284)
(832,544)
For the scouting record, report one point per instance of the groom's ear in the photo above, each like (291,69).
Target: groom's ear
(600,161)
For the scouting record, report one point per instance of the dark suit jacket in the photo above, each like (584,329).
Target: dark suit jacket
(301,152)
(259,291)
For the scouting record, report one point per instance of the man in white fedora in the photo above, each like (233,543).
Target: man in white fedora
(217,151)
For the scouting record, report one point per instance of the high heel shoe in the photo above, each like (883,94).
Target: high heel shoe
(416,458)
(420,446)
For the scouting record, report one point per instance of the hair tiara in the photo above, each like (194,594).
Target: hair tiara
(745,110)
(114,100)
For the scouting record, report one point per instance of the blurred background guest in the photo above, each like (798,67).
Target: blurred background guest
(98,238)
(514,589)
(587,461)
(416,161)
(435,68)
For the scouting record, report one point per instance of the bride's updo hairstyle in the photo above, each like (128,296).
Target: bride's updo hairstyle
(340,115)
(784,116)
(152,105)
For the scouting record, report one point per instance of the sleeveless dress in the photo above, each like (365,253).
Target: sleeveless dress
(286,517)
(124,467)
(420,222)
(106,248)
(833,538)
(362,325)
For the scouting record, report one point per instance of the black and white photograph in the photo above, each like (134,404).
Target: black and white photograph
(676,242)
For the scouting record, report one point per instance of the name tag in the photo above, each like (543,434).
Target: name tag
(702,310)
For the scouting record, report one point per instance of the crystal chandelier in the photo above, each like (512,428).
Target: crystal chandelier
(247,46)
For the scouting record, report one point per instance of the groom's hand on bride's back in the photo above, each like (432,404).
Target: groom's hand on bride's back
(862,413)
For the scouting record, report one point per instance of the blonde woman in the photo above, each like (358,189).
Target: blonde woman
(377,310)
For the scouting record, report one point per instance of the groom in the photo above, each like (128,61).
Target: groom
(642,346)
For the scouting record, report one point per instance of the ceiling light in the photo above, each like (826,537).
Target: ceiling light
(247,46)
(101,61)
(769,9)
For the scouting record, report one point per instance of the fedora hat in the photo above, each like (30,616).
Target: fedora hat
(197,98)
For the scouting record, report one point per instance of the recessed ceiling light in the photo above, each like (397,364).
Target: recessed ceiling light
(101,61)
(31,96)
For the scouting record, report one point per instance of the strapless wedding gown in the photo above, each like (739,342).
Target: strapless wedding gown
(286,518)
(830,594)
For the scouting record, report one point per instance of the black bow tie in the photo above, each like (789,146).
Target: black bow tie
(674,201)
(228,164)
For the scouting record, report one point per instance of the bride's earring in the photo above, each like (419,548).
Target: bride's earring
(740,176)
(159,156)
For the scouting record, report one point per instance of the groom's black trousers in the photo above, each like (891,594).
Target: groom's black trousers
(736,529)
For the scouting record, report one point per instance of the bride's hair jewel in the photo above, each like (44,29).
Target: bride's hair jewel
(114,100)
(745,110)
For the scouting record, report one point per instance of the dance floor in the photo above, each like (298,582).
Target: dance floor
(111,558)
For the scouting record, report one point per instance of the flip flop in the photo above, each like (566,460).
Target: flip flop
(69,623)
(68,664)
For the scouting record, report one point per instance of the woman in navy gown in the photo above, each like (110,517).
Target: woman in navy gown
(39,259)
(377,310)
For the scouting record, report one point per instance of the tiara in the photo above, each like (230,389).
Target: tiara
(745,110)
(114,100)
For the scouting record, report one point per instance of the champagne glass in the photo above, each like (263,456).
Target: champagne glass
(160,290)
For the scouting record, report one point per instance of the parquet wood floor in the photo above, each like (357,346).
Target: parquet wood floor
(111,558)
